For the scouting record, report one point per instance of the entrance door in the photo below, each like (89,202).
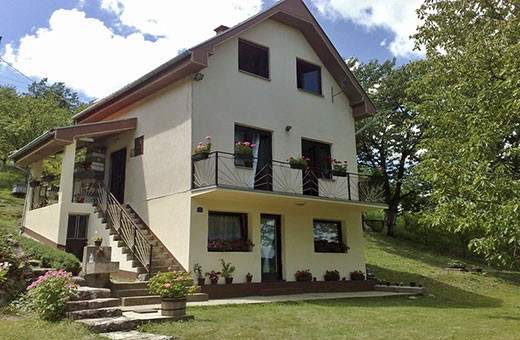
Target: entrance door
(76,235)
(117,174)
(271,251)
(319,154)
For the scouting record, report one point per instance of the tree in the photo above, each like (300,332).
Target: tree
(470,99)
(25,116)
(388,144)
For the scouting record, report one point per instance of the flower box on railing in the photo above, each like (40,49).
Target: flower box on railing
(298,166)
(339,173)
(199,156)
(244,159)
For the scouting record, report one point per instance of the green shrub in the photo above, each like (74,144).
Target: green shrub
(50,257)
(10,175)
(14,268)
(50,292)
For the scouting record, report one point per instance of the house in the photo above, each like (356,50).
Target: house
(127,173)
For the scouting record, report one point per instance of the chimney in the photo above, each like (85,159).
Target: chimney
(220,29)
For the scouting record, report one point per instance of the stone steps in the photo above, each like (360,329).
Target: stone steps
(92,304)
(128,321)
(96,313)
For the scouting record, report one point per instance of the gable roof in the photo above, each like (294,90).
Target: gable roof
(292,13)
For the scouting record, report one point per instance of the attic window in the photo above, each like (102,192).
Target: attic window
(308,77)
(253,58)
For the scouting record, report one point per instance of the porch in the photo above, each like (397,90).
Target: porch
(226,170)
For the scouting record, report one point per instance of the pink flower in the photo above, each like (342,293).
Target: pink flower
(253,145)
(167,285)
(208,137)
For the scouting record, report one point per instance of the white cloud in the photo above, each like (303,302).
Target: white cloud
(397,16)
(90,57)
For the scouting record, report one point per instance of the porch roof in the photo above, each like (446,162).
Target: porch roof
(55,139)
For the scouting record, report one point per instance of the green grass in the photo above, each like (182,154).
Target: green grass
(458,305)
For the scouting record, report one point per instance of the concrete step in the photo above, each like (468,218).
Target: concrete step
(130,292)
(124,323)
(129,285)
(94,313)
(92,304)
(89,293)
(140,300)
(197,297)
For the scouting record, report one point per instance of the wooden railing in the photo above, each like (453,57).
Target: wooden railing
(117,218)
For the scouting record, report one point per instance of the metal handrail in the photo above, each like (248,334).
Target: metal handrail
(226,170)
(127,229)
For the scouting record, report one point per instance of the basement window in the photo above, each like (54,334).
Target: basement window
(328,237)
(253,58)
(308,77)
(227,232)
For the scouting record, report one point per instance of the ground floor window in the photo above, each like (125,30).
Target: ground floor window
(228,232)
(328,237)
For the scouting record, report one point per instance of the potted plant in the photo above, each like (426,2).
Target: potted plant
(34,183)
(197,269)
(303,275)
(202,150)
(298,162)
(213,277)
(227,271)
(357,275)
(339,168)
(97,239)
(331,275)
(249,277)
(173,287)
(244,153)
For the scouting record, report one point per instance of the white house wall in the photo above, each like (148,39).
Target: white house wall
(297,239)
(157,181)
(227,96)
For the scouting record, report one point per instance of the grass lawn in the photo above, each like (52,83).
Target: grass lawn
(458,305)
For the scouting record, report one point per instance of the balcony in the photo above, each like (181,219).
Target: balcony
(227,170)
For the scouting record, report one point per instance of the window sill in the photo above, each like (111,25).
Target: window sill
(310,92)
(254,75)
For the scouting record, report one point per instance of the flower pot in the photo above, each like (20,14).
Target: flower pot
(244,156)
(298,166)
(199,156)
(303,278)
(229,280)
(201,281)
(173,306)
(214,281)
(339,173)
(249,279)
(97,243)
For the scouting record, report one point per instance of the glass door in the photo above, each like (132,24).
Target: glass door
(271,251)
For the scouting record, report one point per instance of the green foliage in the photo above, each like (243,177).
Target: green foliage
(50,257)
(227,268)
(172,284)
(387,145)
(197,269)
(50,292)
(25,116)
(470,100)
(14,269)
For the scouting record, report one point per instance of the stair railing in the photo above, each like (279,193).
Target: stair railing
(117,217)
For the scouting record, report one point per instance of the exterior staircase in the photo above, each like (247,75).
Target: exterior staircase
(136,293)
(137,241)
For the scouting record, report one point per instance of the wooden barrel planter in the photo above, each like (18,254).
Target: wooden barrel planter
(173,307)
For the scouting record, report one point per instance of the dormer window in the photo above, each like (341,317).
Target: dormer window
(308,77)
(253,58)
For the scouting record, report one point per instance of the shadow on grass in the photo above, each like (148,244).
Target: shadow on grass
(438,295)
(422,253)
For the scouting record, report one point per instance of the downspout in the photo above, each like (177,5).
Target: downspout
(366,126)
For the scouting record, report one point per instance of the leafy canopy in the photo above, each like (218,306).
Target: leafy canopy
(470,101)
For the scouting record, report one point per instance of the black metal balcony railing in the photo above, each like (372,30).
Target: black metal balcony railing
(223,169)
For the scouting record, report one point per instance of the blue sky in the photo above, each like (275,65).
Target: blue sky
(97,46)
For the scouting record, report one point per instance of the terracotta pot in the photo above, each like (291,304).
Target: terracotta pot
(173,306)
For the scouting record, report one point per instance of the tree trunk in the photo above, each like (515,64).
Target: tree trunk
(390,221)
